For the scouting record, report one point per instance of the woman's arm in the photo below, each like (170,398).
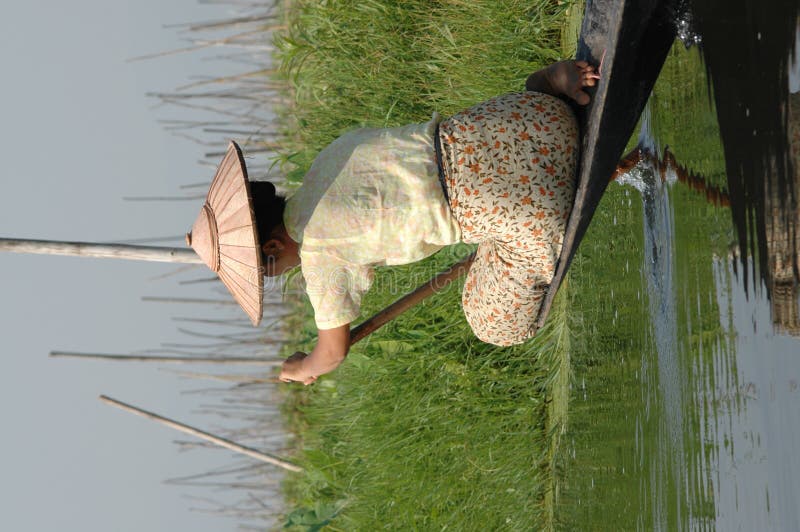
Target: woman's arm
(331,349)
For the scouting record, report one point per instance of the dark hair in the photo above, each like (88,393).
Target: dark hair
(268,207)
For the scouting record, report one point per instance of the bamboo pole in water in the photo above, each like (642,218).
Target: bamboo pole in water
(222,442)
(169,359)
(238,379)
(164,254)
(103,251)
(190,300)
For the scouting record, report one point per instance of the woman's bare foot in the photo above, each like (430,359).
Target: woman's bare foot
(570,77)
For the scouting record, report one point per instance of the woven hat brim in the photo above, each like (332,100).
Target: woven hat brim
(240,265)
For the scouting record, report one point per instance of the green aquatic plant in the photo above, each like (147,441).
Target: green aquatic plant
(425,426)
(384,63)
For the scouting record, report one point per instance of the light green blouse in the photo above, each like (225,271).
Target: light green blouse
(371,198)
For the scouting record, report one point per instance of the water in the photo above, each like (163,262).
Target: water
(686,412)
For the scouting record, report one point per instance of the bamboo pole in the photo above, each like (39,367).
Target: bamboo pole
(149,240)
(222,442)
(190,300)
(200,301)
(164,254)
(238,379)
(436,284)
(163,198)
(200,281)
(104,251)
(204,184)
(169,359)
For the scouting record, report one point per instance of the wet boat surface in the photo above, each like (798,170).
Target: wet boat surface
(632,38)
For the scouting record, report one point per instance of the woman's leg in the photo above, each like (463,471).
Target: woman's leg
(502,294)
(510,165)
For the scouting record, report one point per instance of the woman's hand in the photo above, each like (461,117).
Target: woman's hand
(332,346)
(293,370)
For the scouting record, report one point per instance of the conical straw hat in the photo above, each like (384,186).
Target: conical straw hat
(225,234)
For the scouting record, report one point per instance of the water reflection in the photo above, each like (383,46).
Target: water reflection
(725,429)
(752,424)
(748,48)
(686,414)
(783,234)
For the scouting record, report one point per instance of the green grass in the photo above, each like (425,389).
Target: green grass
(685,116)
(385,63)
(423,427)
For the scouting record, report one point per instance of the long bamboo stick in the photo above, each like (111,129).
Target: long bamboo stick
(169,359)
(163,198)
(190,300)
(436,284)
(238,379)
(222,442)
(104,251)
(164,254)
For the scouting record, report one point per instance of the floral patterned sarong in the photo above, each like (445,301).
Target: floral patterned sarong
(510,166)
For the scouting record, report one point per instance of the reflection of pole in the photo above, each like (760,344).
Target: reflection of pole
(666,165)
(105,251)
(222,442)
(782,220)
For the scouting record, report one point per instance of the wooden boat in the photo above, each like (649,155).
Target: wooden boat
(635,37)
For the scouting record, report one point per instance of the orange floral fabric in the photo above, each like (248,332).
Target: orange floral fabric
(510,166)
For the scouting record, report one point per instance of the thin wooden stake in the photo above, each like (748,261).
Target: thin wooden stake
(104,251)
(170,360)
(436,284)
(239,379)
(163,198)
(192,300)
(222,442)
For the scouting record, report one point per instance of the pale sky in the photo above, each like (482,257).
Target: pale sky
(77,135)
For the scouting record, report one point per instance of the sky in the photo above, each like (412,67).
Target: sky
(78,134)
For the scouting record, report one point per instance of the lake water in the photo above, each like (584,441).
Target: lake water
(685,397)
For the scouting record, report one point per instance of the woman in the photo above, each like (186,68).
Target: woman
(500,174)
